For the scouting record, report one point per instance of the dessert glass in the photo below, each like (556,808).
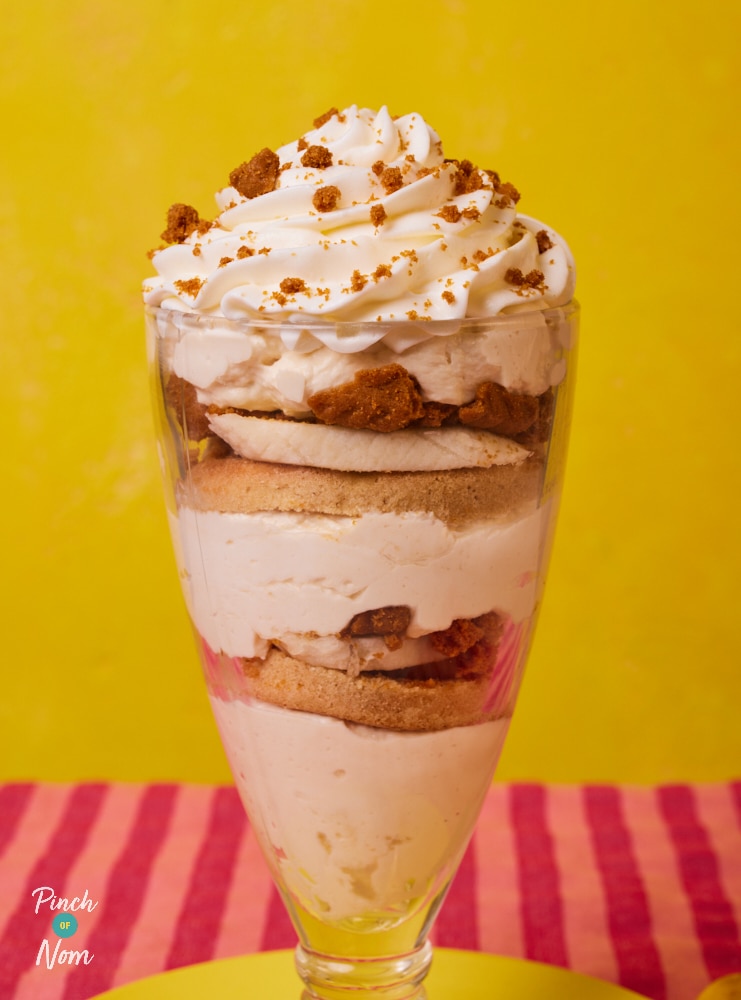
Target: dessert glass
(363,786)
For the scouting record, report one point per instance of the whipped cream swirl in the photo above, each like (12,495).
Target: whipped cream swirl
(363,219)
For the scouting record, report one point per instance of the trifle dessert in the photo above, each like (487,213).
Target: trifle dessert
(363,371)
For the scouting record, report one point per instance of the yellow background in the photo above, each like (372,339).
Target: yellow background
(619,122)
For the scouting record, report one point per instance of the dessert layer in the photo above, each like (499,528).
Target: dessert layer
(346,450)
(361,219)
(459,497)
(379,699)
(360,820)
(251,578)
(253,368)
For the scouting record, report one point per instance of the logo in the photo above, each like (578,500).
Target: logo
(64,926)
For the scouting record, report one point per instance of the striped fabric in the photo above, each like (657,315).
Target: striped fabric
(638,886)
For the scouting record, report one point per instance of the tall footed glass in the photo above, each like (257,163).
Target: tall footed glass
(363,569)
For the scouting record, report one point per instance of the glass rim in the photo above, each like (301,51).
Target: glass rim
(315,324)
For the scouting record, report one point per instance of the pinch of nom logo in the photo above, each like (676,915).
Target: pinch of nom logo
(64,925)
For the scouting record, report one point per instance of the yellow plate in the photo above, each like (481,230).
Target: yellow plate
(461,975)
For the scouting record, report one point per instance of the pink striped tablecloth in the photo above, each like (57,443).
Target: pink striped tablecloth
(638,886)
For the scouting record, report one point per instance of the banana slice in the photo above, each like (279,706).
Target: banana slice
(426,450)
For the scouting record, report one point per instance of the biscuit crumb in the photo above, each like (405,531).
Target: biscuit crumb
(318,157)
(225,260)
(182,220)
(258,175)
(326,198)
(378,215)
(382,271)
(448,297)
(391,178)
(467,177)
(245,252)
(291,286)
(533,279)
(323,119)
(509,195)
(544,241)
(450,213)
(358,281)
(189,286)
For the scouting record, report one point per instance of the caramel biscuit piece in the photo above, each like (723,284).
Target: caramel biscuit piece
(496,409)
(464,633)
(190,415)
(379,399)
(258,175)
(458,497)
(379,700)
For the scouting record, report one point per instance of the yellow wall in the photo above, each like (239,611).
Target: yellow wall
(617,121)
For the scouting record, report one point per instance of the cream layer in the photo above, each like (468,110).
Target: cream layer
(251,579)
(358,821)
(252,368)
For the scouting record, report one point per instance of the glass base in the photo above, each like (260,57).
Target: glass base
(397,977)
(455,975)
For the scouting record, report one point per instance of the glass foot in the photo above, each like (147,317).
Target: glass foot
(395,977)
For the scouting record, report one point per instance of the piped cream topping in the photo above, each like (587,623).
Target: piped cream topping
(363,219)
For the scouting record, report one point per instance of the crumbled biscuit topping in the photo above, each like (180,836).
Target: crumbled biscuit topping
(323,119)
(458,194)
(317,157)
(189,286)
(358,281)
(391,178)
(544,241)
(451,213)
(467,177)
(377,215)
(182,220)
(326,198)
(533,279)
(257,176)
(290,286)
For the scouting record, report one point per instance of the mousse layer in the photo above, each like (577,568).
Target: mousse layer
(338,857)
(250,579)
